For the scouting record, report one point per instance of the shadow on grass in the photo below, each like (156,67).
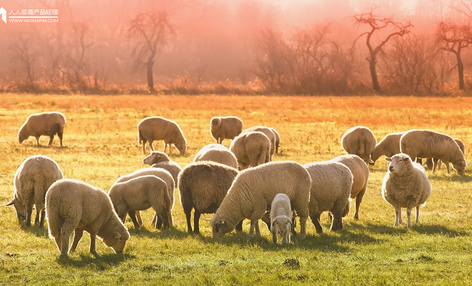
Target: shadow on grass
(99,262)
(159,233)
(450,178)
(402,229)
(34,229)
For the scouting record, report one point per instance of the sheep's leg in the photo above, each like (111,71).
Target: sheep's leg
(435,164)
(239,226)
(36,219)
(165,147)
(93,249)
(77,236)
(274,234)
(398,214)
(258,233)
(303,220)
(158,220)
(132,215)
(150,145)
(59,134)
(188,216)
(28,211)
(315,218)
(138,218)
(50,139)
(408,214)
(41,221)
(417,214)
(65,236)
(358,202)
(337,222)
(447,168)
(37,141)
(144,146)
(254,225)
(196,220)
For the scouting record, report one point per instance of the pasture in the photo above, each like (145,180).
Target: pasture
(101,144)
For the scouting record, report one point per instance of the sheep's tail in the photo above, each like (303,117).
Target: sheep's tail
(362,147)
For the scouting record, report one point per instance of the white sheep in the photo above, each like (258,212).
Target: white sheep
(253,191)
(32,180)
(159,128)
(217,153)
(360,172)
(226,127)
(431,144)
(433,163)
(269,132)
(281,218)
(359,140)
(72,205)
(159,159)
(202,186)
(251,149)
(388,146)
(46,123)
(331,184)
(142,193)
(405,185)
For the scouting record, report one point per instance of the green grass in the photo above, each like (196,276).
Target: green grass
(101,145)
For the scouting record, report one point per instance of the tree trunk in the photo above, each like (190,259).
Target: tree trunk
(150,80)
(460,69)
(373,72)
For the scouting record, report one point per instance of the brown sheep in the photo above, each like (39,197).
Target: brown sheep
(361,141)
(269,132)
(46,123)
(251,149)
(159,128)
(225,128)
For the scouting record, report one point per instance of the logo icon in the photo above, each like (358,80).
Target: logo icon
(4,14)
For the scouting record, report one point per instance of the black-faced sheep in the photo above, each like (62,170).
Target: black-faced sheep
(217,153)
(405,185)
(72,205)
(431,144)
(160,160)
(142,193)
(253,191)
(388,146)
(225,128)
(360,172)
(251,149)
(281,218)
(32,180)
(331,184)
(159,128)
(46,123)
(202,186)
(269,132)
(359,140)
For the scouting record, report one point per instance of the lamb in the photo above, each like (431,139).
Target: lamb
(388,146)
(277,140)
(360,172)
(46,123)
(330,190)
(361,141)
(32,180)
(142,193)
(405,185)
(430,144)
(281,218)
(75,205)
(202,186)
(160,160)
(433,162)
(217,153)
(269,133)
(225,128)
(251,149)
(159,128)
(253,191)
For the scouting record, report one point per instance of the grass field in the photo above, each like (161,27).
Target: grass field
(101,144)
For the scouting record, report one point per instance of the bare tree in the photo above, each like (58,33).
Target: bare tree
(26,56)
(377,26)
(75,55)
(150,32)
(454,38)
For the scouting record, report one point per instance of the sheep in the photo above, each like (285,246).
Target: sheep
(405,185)
(251,149)
(159,159)
(45,123)
(32,180)
(202,186)
(360,172)
(281,218)
(277,140)
(359,140)
(160,173)
(217,153)
(159,128)
(388,146)
(430,162)
(431,144)
(225,128)
(269,133)
(253,191)
(142,193)
(330,190)
(75,205)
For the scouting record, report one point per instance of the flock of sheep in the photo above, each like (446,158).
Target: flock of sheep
(235,184)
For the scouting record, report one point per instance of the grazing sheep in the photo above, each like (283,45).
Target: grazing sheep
(46,123)
(360,172)
(142,193)
(430,163)
(160,160)
(225,128)
(430,144)
(331,184)
(160,173)
(269,132)
(75,205)
(159,128)
(32,180)
(359,140)
(217,153)
(277,140)
(202,186)
(281,218)
(405,185)
(253,191)
(251,149)
(388,146)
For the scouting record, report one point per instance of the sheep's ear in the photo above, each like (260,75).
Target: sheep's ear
(12,202)
(388,159)
(406,159)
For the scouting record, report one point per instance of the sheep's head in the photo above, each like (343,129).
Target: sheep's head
(215,122)
(399,163)
(117,240)
(281,225)
(182,148)
(460,167)
(20,209)
(156,157)
(219,226)
(22,134)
